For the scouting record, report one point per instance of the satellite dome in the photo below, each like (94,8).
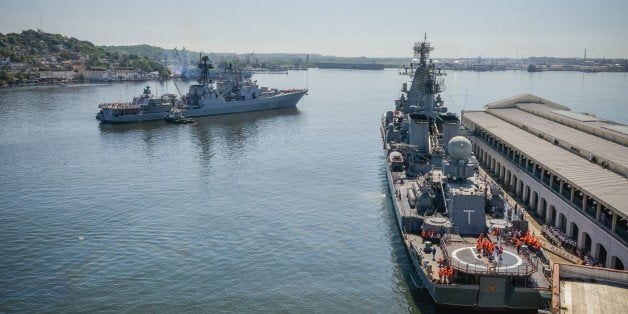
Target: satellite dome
(459,148)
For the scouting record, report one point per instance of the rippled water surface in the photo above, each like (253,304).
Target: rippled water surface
(261,212)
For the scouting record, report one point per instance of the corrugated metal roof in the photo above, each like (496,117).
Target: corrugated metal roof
(579,139)
(576,115)
(617,130)
(605,185)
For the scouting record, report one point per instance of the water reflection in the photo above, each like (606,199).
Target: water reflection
(240,129)
(131,127)
(155,135)
(232,132)
(203,138)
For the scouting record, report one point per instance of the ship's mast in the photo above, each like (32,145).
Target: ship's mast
(204,65)
(422,50)
(426,82)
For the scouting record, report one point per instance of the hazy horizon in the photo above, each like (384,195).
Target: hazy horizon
(457,29)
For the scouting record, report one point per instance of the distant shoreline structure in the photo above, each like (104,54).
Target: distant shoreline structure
(352,66)
(58,59)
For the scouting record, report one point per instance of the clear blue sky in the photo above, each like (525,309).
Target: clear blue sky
(466,28)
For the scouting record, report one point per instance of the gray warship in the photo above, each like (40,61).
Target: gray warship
(469,248)
(233,93)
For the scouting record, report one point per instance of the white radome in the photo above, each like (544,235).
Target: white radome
(459,148)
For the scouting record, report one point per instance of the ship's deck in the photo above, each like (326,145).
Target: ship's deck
(461,253)
(462,256)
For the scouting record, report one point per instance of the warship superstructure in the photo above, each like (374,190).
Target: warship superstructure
(233,93)
(468,246)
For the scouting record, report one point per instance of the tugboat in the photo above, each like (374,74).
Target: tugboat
(175,116)
(468,247)
(233,94)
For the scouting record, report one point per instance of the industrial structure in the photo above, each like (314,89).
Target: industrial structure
(569,168)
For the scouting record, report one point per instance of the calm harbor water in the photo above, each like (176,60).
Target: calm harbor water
(260,212)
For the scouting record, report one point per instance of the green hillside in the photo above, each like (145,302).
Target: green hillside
(30,51)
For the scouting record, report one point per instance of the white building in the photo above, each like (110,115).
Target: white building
(570,168)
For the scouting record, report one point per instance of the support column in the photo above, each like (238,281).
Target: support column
(608,259)
(598,212)
(513,183)
(594,248)
(503,175)
(614,223)
(573,193)
(581,238)
(551,181)
(538,205)
(585,199)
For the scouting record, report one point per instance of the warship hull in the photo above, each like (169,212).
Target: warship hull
(278,102)
(467,247)
(462,296)
(287,100)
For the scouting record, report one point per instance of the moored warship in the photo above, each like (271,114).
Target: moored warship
(468,247)
(233,94)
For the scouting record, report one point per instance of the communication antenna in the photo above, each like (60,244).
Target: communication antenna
(41,23)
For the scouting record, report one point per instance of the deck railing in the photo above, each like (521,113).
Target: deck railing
(528,268)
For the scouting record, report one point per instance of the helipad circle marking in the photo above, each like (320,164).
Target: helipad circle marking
(455,252)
